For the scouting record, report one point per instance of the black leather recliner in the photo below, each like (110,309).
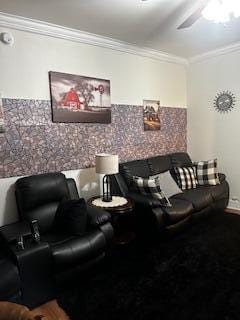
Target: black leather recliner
(186,206)
(10,286)
(38,197)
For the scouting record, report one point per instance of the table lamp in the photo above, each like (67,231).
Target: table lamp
(106,164)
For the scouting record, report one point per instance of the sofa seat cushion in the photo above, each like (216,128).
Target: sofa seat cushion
(10,281)
(199,197)
(219,191)
(72,250)
(179,210)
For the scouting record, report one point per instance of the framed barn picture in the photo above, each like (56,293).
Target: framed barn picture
(151,115)
(77,98)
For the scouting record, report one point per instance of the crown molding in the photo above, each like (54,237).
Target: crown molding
(56,31)
(215,53)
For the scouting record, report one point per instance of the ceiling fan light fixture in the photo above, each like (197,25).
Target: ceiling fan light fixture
(221,10)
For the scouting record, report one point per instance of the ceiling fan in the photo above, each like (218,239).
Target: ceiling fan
(214,10)
(194,16)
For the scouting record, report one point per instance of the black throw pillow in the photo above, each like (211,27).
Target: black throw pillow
(71,216)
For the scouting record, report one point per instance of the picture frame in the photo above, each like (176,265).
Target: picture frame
(76,98)
(151,115)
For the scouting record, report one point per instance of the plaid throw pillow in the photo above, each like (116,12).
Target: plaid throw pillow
(151,187)
(186,177)
(207,173)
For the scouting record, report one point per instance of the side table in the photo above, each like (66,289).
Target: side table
(123,217)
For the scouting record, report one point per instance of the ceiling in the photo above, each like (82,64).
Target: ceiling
(151,23)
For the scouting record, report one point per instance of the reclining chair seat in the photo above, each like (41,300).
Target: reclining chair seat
(68,251)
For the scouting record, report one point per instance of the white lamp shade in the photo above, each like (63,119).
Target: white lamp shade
(106,163)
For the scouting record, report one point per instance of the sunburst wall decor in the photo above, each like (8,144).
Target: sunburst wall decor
(224,101)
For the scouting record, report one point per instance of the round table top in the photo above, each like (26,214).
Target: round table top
(127,207)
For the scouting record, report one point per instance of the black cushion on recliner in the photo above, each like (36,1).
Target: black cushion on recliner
(71,216)
(39,195)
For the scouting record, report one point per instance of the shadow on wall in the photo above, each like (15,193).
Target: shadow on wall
(86,181)
(89,185)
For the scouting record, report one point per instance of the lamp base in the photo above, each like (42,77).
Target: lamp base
(107,197)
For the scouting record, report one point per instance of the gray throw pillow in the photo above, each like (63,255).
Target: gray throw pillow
(167,183)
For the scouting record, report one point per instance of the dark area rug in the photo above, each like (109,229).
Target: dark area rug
(195,275)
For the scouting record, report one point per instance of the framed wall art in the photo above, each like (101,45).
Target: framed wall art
(77,98)
(151,115)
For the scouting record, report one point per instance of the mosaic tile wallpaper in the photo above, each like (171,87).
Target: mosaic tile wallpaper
(32,143)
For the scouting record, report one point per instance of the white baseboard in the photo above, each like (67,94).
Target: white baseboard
(233,205)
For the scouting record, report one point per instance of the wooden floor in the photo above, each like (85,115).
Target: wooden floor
(51,311)
(235,211)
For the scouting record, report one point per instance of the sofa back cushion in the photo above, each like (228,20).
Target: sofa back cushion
(180,159)
(149,167)
(159,164)
(38,197)
(138,168)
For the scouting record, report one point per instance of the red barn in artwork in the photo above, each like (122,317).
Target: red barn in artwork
(71,99)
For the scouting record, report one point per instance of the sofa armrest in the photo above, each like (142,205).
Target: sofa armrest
(144,200)
(222,177)
(9,232)
(98,216)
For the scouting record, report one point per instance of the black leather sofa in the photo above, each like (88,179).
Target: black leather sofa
(186,206)
(38,197)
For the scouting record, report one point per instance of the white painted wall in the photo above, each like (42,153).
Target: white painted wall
(25,66)
(24,71)
(211,134)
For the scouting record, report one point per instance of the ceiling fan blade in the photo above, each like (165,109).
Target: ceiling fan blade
(194,16)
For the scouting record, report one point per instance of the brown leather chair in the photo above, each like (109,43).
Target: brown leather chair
(13,311)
